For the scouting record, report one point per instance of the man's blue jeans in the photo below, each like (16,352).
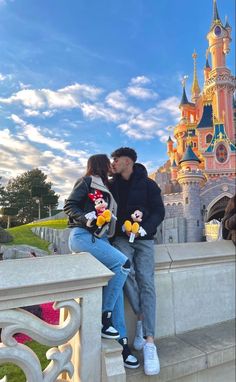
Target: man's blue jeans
(139,287)
(80,240)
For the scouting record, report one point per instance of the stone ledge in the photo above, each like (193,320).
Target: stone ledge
(190,353)
(172,256)
(29,281)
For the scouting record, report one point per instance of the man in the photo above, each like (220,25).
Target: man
(133,190)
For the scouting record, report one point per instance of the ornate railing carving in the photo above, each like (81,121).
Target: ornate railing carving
(76,283)
(17,320)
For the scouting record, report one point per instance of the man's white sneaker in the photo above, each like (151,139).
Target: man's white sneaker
(151,360)
(139,341)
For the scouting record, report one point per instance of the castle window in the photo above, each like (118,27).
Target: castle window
(208,138)
(221,153)
(186,200)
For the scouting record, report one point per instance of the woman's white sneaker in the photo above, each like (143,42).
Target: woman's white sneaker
(151,360)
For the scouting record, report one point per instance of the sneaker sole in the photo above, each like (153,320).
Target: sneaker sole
(110,337)
(156,372)
(131,366)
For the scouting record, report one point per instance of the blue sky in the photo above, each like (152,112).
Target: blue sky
(79,77)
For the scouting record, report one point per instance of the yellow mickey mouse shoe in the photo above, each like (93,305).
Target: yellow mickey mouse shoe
(100,221)
(128,225)
(135,228)
(107,215)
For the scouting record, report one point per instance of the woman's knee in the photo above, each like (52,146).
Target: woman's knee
(127,265)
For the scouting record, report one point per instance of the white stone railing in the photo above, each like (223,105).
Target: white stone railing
(195,287)
(75,282)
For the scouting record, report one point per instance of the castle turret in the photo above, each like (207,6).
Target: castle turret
(169,146)
(174,172)
(207,68)
(191,179)
(220,83)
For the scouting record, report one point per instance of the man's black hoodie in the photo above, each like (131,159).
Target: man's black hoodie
(141,193)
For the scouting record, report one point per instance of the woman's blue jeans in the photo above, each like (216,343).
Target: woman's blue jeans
(80,240)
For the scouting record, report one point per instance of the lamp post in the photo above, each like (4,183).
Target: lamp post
(39,208)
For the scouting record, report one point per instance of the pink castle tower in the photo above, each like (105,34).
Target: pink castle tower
(209,119)
(207,131)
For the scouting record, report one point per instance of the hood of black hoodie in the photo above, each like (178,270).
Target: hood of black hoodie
(140,170)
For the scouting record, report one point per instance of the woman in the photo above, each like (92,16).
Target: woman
(91,210)
(229,221)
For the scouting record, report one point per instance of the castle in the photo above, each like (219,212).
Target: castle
(199,177)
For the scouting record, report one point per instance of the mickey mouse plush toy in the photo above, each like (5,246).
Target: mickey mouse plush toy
(134,227)
(102,215)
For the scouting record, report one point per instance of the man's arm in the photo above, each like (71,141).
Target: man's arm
(156,210)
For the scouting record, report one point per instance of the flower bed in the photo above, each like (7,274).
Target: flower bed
(49,315)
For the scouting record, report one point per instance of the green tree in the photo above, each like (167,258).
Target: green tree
(1,191)
(30,195)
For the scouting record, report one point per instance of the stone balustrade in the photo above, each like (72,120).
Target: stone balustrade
(75,282)
(195,285)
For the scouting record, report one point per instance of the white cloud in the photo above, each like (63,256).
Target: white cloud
(142,93)
(118,101)
(170,105)
(31,113)
(23,86)
(33,99)
(34,134)
(152,122)
(140,80)
(2,77)
(87,91)
(98,111)
(68,97)
(18,156)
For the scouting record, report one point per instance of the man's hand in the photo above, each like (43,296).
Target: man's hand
(129,233)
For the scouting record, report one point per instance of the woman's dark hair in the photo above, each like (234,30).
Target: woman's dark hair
(98,165)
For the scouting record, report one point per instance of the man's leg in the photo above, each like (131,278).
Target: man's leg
(131,287)
(144,271)
(132,291)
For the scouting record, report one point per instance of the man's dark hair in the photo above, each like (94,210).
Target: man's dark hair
(125,152)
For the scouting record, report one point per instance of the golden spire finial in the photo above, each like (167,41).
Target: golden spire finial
(195,86)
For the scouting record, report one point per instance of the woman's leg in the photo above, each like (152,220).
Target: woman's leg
(81,240)
(119,322)
(119,316)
